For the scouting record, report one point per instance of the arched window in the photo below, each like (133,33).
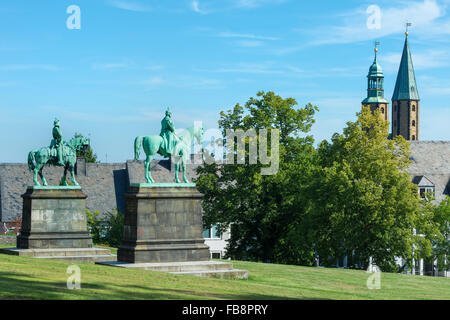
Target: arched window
(382,110)
(414,123)
(413,138)
(413,108)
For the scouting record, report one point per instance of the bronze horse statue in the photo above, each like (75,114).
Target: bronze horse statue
(37,159)
(155,144)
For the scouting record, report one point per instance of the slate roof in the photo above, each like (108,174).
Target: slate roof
(431,159)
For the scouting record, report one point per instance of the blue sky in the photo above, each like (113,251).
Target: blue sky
(114,78)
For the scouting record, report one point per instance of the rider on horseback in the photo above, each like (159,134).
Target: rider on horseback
(57,142)
(168,133)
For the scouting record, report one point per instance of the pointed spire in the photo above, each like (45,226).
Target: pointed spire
(405,86)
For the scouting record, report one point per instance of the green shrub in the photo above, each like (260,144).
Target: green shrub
(114,227)
(95,225)
(107,229)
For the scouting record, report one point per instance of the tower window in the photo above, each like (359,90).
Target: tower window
(382,110)
(413,138)
(414,123)
(413,108)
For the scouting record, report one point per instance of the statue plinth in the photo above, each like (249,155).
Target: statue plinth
(54,226)
(54,217)
(163,223)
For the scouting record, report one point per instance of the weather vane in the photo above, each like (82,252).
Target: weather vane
(408,24)
(377,43)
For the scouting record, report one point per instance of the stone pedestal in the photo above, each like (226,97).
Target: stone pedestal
(163,223)
(54,226)
(54,218)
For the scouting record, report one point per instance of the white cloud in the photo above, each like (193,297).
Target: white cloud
(196,7)
(215,6)
(245,35)
(424,16)
(255,3)
(99,66)
(250,43)
(421,60)
(129,6)
(154,81)
(182,82)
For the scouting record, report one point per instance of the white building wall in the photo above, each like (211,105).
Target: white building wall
(218,245)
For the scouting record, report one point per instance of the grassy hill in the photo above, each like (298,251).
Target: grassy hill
(27,278)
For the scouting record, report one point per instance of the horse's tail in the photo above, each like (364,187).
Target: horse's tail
(137,147)
(31,160)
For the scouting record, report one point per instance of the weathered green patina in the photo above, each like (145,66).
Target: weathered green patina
(60,153)
(375,84)
(168,144)
(405,86)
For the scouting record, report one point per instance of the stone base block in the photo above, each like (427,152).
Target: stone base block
(163,223)
(164,251)
(54,217)
(213,269)
(68,254)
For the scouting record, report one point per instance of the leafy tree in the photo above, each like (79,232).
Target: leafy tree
(441,245)
(261,209)
(362,201)
(87,154)
(114,227)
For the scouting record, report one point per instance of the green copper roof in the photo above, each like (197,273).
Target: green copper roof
(374,100)
(375,83)
(405,87)
(375,70)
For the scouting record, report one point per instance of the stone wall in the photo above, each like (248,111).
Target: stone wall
(7,239)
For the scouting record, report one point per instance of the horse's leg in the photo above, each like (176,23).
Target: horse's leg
(72,173)
(148,174)
(183,166)
(177,168)
(63,179)
(36,170)
(44,182)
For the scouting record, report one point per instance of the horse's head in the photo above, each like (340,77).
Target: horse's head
(80,143)
(198,134)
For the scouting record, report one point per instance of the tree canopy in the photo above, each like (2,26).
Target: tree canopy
(259,208)
(350,197)
(363,203)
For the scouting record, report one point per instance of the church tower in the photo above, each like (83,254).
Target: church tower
(375,89)
(405,100)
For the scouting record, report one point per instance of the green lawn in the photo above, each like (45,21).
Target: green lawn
(27,278)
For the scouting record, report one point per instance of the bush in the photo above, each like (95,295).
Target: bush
(114,227)
(107,229)
(95,225)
